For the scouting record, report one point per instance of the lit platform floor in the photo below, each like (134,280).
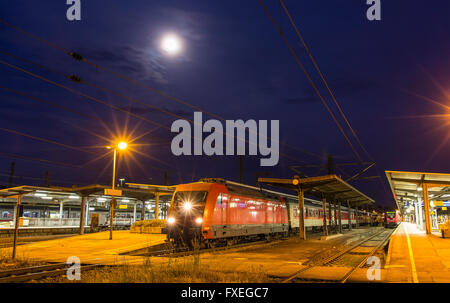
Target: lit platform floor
(95,248)
(423,258)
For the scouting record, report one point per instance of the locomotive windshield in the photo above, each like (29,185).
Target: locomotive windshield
(390,215)
(190,199)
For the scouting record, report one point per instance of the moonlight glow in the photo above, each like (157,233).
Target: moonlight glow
(171,44)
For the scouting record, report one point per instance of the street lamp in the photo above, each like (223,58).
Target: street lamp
(122,146)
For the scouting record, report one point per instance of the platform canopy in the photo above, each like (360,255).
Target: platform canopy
(408,186)
(329,186)
(55,193)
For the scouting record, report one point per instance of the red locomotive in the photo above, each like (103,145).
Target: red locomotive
(215,211)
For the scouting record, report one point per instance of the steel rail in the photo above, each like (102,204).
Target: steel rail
(332,258)
(363,262)
(37,272)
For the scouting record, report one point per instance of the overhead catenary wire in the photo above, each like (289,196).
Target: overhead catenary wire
(79,57)
(96,99)
(44,140)
(324,81)
(329,90)
(316,90)
(44,161)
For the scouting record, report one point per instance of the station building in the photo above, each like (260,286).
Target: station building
(75,207)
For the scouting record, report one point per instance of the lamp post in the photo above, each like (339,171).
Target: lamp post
(122,145)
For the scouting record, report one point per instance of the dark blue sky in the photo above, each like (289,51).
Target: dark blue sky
(235,65)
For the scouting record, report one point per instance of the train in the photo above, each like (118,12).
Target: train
(219,212)
(392,219)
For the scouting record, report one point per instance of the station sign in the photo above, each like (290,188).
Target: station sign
(123,206)
(444,208)
(113,192)
(438,203)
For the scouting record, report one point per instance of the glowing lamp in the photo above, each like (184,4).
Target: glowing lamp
(122,145)
(171,220)
(199,220)
(187,206)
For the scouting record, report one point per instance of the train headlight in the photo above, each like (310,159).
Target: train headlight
(199,220)
(187,206)
(171,220)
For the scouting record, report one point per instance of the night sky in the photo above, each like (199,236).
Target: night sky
(391,78)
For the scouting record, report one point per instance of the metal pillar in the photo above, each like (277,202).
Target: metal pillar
(340,217)
(419,209)
(349,214)
(329,214)
(134,212)
(111,217)
(86,220)
(416,213)
(82,210)
(357,216)
(143,211)
(301,215)
(426,204)
(335,217)
(156,205)
(61,210)
(324,210)
(16,224)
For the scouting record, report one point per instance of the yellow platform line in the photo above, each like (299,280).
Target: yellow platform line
(411,257)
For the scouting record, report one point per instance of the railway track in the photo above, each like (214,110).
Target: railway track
(180,252)
(374,242)
(37,272)
(186,252)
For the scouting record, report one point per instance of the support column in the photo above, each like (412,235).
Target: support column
(416,213)
(111,216)
(143,211)
(335,217)
(301,215)
(86,220)
(324,210)
(134,212)
(349,214)
(426,204)
(156,205)
(329,214)
(61,212)
(82,211)
(340,217)
(357,216)
(16,224)
(419,210)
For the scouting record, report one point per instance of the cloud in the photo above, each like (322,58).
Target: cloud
(135,63)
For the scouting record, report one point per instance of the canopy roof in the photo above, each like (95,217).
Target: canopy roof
(73,193)
(407,186)
(329,186)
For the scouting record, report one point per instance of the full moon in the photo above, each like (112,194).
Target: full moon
(171,44)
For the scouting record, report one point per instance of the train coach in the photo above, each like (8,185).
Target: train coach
(216,211)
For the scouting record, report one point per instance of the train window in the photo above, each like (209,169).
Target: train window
(196,198)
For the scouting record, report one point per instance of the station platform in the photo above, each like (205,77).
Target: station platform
(95,248)
(416,257)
